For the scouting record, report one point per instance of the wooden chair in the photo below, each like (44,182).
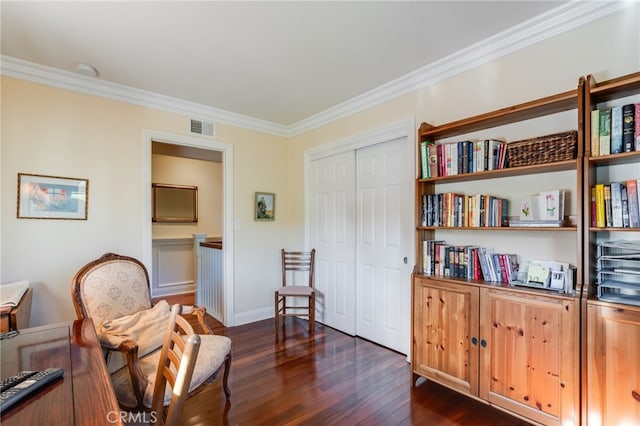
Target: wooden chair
(114,292)
(175,370)
(294,265)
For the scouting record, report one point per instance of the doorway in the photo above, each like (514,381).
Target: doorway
(360,221)
(226,153)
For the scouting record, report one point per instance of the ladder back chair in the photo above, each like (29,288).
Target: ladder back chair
(297,283)
(113,291)
(175,370)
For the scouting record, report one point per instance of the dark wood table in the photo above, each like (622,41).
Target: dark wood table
(84,396)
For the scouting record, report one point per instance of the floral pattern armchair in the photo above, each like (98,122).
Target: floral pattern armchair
(114,292)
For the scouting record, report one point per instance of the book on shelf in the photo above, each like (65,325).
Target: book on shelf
(628,127)
(469,262)
(595,132)
(593,206)
(497,266)
(616,130)
(462,157)
(424,160)
(636,132)
(625,205)
(616,205)
(433,159)
(494,147)
(608,211)
(451,209)
(600,214)
(633,202)
(605,132)
(479,154)
(486,265)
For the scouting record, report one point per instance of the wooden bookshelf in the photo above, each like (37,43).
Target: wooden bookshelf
(478,337)
(611,331)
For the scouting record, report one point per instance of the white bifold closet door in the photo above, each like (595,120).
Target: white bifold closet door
(362,238)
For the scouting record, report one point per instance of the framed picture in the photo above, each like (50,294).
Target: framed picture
(52,197)
(265,205)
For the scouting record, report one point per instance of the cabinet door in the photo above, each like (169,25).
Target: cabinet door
(445,325)
(528,356)
(613,370)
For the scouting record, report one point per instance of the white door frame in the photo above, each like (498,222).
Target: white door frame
(405,128)
(149,136)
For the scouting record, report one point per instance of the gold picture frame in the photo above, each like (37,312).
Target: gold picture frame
(52,197)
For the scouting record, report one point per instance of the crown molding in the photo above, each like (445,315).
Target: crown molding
(561,19)
(554,22)
(17,68)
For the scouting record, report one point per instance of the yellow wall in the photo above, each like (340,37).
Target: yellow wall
(53,131)
(207,176)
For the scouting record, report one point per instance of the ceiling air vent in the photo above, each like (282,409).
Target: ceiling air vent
(202,127)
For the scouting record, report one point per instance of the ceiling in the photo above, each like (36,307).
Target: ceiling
(279,62)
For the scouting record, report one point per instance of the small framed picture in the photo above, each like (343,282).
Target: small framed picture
(52,197)
(265,206)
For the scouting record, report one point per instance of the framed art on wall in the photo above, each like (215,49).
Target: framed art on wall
(265,206)
(52,197)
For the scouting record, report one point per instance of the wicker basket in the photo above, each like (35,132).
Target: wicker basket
(543,149)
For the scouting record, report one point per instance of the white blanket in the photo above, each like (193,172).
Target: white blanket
(146,328)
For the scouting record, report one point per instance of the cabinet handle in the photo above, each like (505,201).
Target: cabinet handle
(483,343)
(474,341)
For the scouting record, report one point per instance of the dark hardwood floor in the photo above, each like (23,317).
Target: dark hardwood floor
(328,378)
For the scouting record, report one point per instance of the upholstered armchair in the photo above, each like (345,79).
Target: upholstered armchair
(114,292)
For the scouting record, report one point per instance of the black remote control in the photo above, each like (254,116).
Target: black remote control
(10,382)
(27,386)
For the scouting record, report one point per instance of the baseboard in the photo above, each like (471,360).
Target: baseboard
(247,317)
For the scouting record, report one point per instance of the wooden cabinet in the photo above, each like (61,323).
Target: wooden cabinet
(529,364)
(514,347)
(611,331)
(613,379)
(445,346)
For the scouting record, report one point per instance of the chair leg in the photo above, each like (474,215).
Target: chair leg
(225,378)
(277,314)
(312,312)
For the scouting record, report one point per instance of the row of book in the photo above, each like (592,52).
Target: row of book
(467,262)
(616,204)
(450,209)
(615,130)
(454,158)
